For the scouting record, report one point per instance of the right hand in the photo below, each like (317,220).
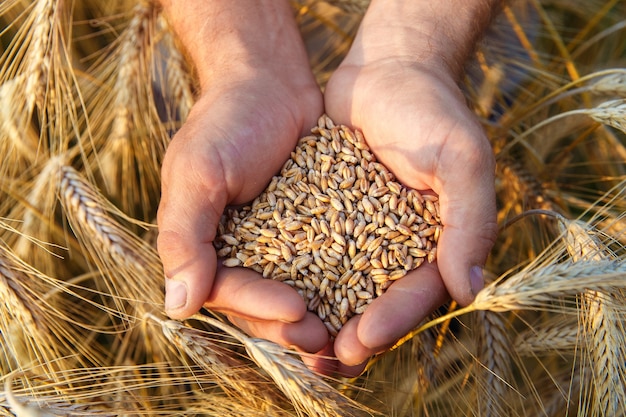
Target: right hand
(237,136)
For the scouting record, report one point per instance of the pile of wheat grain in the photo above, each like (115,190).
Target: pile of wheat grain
(334,224)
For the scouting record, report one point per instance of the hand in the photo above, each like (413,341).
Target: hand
(259,96)
(416,122)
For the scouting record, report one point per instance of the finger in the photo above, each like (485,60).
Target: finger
(245,293)
(401,308)
(349,349)
(322,362)
(325,362)
(193,198)
(468,213)
(307,335)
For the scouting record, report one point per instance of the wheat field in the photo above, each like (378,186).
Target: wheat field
(90,95)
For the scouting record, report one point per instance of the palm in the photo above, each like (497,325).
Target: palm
(417,124)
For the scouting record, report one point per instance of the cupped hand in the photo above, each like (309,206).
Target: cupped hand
(416,121)
(237,136)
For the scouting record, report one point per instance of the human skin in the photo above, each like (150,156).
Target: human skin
(398,84)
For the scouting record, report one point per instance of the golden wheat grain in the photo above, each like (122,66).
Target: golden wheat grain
(334,224)
(604,329)
(611,84)
(20,309)
(39,55)
(18,137)
(611,113)
(535,288)
(36,212)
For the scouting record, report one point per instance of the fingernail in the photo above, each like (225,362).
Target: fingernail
(477,281)
(175,294)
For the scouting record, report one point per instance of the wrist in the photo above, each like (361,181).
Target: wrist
(439,35)
(237,40)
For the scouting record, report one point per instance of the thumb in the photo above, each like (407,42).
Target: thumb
(468,213)
(193,198)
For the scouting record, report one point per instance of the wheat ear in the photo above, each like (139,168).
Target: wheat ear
(236,378)
(308,392)
(127,142)
(557,335)
(493,371)
(179,83)
(131,266)
(601,322)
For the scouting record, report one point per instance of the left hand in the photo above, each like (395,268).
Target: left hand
(415,120)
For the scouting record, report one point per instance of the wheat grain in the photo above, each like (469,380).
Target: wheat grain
(19,308)
(603,327)
(40,201)
(123,146)
(613,83)
(358,230)
(18,137)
